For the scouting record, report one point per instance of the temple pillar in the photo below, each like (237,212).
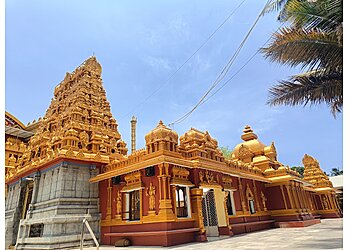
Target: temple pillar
(244,207)
(35,194)
(300,198)
(284,197)
(197,213)
(291,201)
(296,201)
(109,200)
(165,203)
(256,196)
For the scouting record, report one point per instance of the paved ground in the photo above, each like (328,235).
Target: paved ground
(326,235)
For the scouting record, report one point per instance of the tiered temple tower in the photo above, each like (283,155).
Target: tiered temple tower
(323,192)
(48,188)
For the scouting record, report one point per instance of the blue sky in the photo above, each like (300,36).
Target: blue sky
(140,44)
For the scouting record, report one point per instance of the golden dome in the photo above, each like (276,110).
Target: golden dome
(251,144)
(161,133)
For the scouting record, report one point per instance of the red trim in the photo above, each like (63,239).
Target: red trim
(167,232)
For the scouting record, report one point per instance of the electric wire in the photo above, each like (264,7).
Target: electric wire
(225,70)
(188,59)
(240,69)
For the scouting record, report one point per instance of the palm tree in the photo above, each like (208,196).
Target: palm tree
(314,41)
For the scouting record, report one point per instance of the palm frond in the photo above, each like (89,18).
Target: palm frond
(325,15)
(310,88)
(307,48)
(275,5)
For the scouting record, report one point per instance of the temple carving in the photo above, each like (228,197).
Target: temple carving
(72,164)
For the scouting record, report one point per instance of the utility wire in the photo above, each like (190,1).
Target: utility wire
(240,69)
(184,63)
(225,70)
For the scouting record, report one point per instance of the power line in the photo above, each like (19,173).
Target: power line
(225,70)
(184,63)
(240,69)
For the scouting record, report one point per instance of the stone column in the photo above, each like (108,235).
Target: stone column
(35,194)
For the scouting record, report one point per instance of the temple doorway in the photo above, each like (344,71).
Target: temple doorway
(210,218)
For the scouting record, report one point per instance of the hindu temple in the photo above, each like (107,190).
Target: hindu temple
(72,164)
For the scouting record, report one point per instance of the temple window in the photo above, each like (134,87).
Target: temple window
(251,206)
(250,198)
(231,210)
(182,202)
(132,205)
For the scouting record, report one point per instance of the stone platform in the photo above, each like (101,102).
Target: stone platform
(326,235)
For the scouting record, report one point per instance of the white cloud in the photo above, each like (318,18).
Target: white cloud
(158,63)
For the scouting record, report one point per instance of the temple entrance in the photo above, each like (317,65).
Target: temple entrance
(210,218)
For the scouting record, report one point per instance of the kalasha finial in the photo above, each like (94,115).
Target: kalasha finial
(248,134)
(161,122)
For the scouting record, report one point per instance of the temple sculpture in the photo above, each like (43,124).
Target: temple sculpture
(72,165)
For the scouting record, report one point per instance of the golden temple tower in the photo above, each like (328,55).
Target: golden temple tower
(77,124)
(76,138)
(314,174)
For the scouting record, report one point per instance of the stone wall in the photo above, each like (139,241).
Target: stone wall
(12,213)
(62,198)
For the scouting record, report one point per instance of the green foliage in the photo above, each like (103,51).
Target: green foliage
(299,169)
(314,41)
(226,152)
(336,171)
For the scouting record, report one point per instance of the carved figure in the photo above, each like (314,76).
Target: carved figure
(263,198)
(209,176)
(151,192)
(119,203)
(201,176)
(84,139)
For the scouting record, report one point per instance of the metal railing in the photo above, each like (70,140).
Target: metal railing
(86,223)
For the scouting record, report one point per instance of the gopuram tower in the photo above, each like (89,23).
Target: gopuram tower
(49,193)
(324,193)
